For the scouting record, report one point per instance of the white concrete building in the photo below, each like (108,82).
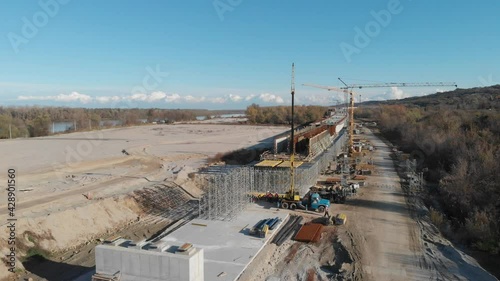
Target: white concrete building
(126,261)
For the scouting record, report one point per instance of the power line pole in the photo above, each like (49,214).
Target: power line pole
(10,131)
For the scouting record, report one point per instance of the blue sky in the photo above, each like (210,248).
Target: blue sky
(230,53)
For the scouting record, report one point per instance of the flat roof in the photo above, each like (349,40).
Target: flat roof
(286,164)
(268,163)
(228,247)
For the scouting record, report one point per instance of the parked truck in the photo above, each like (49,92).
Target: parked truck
(334,195)
(313,201)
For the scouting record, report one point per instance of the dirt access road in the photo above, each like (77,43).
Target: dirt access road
(390,239)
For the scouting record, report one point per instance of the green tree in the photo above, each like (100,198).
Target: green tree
(41,125)
(252,112)
(95,120)
(5,122)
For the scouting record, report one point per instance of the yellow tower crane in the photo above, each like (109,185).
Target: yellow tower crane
(347,89)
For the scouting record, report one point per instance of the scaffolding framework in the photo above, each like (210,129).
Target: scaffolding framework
(226,191)
(227,188)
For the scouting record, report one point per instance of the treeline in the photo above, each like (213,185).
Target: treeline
(37,121)
(282,114)
(459,150)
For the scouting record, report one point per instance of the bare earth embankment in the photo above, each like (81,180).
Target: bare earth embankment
(75,188)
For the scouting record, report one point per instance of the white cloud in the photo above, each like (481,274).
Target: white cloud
(218,100)
(34,98)
(190,98)
(249,97)
(397,93)
(106,99)
(235,98)
(267,97)
(394,94)
(153,97)
(319,99)
(156,96)
(137,97)
(173,98)
(74,96)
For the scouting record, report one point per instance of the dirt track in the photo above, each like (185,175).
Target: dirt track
(387,243)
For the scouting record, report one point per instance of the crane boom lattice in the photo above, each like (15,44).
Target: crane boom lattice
(347,89)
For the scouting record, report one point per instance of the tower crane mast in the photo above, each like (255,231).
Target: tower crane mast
(351,118)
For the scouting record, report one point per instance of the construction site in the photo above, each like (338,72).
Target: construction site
(327,200)
(278,217)
(225,235)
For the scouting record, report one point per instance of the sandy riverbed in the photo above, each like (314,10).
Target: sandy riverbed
(57,175)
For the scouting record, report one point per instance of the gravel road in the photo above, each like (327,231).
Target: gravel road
(388,243)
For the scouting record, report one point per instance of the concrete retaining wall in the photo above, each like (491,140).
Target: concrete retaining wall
(143,265)
(280,145)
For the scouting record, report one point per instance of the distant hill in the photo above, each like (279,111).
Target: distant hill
(473,98)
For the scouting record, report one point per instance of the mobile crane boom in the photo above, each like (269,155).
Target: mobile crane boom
(291,192)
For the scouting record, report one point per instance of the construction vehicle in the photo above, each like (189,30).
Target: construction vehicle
(332,194)
(291,199)
(313,202)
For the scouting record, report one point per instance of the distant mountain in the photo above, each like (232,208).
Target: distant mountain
(473,98)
